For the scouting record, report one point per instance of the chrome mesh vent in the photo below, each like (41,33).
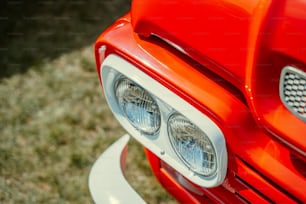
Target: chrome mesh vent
(293,91)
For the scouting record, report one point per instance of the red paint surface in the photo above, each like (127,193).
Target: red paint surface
(234,52)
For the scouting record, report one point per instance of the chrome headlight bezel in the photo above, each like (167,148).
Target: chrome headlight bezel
(168,102)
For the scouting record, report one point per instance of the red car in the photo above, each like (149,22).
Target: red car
(215,90)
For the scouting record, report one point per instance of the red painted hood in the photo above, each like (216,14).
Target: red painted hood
(209,31)
(246,42)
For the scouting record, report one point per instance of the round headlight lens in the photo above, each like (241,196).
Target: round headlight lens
(138,106)
(192,145)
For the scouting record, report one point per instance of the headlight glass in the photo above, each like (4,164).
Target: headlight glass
(139,107)
(192,145)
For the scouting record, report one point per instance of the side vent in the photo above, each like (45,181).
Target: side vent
(292,88)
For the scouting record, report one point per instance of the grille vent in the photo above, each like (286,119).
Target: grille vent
(293,91)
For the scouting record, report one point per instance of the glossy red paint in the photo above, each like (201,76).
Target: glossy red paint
(283,43)
(221,32)
(233,52)
(232,35)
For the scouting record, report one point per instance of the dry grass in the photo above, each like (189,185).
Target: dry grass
(54,122)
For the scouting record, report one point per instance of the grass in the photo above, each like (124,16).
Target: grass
(54,122)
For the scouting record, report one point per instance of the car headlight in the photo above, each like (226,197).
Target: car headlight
(138,106)
(171,128)
(192,145)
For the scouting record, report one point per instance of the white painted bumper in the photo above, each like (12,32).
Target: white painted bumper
(107,183)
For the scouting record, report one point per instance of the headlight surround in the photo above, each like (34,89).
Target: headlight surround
(138,106)
(192,145)
(113,70)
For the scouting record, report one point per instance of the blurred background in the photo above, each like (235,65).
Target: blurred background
(54,122)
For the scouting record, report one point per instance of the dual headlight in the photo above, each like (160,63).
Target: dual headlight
(189,142)
(164,123)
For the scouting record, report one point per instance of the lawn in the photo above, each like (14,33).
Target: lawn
(54,122)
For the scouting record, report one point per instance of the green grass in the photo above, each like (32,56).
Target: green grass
(54,123)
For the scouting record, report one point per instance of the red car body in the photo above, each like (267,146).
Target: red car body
(225,58)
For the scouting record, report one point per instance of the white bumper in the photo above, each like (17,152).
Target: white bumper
(107,183)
